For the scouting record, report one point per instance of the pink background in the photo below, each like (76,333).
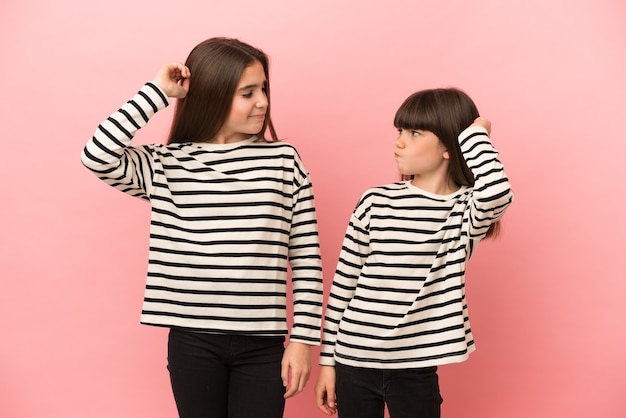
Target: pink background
(547,300)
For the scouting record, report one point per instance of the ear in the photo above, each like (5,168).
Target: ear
(446,155)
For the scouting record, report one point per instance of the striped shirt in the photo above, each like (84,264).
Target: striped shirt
(228,221)
(398,295)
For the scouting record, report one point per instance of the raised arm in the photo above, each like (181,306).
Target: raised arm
(109,154)
(492,192)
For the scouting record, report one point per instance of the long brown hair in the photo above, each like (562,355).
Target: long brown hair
(446,113)
(216,66)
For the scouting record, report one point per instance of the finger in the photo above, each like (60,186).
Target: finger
(325,409)
(284,373)
(320,400)
(177,71)
(182,69)
(320,397)
(329,409)
(304,377)
(296,382)
(291,390)
(185,87)
(290,393)
(331,400)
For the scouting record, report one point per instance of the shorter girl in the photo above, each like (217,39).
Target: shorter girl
(397,306)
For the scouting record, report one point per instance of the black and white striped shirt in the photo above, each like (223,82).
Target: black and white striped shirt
(227,222)
(398,295)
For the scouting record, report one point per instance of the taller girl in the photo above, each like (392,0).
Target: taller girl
(231,212)
(397,306)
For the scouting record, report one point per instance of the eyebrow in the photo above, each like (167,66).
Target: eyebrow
(252,86)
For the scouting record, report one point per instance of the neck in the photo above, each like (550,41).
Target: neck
(441,186)
(227,139)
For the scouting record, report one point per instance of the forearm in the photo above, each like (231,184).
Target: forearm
(491,192)
(351,259)
(105,149)
(109,154)
(306,270)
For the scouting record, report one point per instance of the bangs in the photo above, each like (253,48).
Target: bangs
(417,113)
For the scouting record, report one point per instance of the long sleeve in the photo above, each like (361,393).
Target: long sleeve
(305,261)
(352,257)
(398,295)
(227,221)
(109,154)
(492,192)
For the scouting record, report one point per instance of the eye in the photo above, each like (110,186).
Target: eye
(415,133)
(247,95)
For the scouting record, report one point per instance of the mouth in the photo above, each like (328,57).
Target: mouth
(262,116)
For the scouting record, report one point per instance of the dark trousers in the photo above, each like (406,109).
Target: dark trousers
(226,376)
(408,393)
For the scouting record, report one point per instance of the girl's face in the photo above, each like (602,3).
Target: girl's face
(421,154)
(250,103)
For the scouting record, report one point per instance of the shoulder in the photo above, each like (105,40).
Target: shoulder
(386,190)
(165,148)
(279,146)
(283,152)
(383,192)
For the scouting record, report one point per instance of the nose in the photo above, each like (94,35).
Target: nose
(262,102)
(399,142)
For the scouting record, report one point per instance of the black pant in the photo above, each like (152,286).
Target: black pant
(408,393)
(226,376)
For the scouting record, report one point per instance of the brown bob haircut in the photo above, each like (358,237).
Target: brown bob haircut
(446,112)
(216,66)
